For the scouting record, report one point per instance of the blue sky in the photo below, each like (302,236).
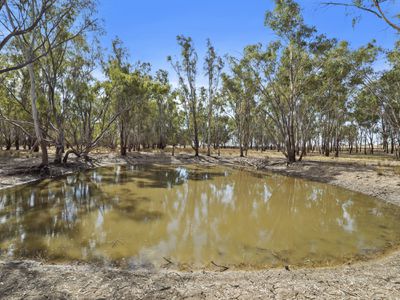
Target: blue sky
(149,28)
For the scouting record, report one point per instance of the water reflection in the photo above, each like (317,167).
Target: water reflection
(137,215)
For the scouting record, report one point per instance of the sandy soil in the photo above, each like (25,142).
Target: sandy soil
(377,279)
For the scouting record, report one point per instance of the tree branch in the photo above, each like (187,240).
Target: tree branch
(354,5)
(377,5)
(22,31)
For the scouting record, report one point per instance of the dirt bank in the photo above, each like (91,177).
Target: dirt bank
(377,279)
(32,280)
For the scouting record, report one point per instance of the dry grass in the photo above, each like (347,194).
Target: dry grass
(378,159)
(380,171)
(18,154)
(396,170)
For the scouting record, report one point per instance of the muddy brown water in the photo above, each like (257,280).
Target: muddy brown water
(197,217)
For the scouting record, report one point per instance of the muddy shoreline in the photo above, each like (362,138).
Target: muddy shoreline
(378,279)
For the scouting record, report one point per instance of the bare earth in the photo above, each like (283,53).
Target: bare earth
(377,279)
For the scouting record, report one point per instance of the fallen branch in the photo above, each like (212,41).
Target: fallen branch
(169,262)
(223,268)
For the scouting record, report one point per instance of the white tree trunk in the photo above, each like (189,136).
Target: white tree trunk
(35,116)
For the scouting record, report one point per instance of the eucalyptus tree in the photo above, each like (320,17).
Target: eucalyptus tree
(117,71)
(15,113)
(284,72)
(367,114)
(341,74)
(333,94)
(54,65)
(221,131)
(7,109)
(186,69)
(383,10)
(240,91)
(264,129)
(386,91)
(174,123)
(131,89)
(39,27)
(213,65)
(140,91)
(89,112)
(390,84)
(27,47)
(161,91)
(350,134)
(54,69)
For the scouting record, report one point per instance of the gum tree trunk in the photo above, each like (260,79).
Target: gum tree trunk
(35,115)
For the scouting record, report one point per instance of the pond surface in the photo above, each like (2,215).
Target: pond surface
(145,216)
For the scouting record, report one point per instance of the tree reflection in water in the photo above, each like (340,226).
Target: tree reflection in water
(138,215)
